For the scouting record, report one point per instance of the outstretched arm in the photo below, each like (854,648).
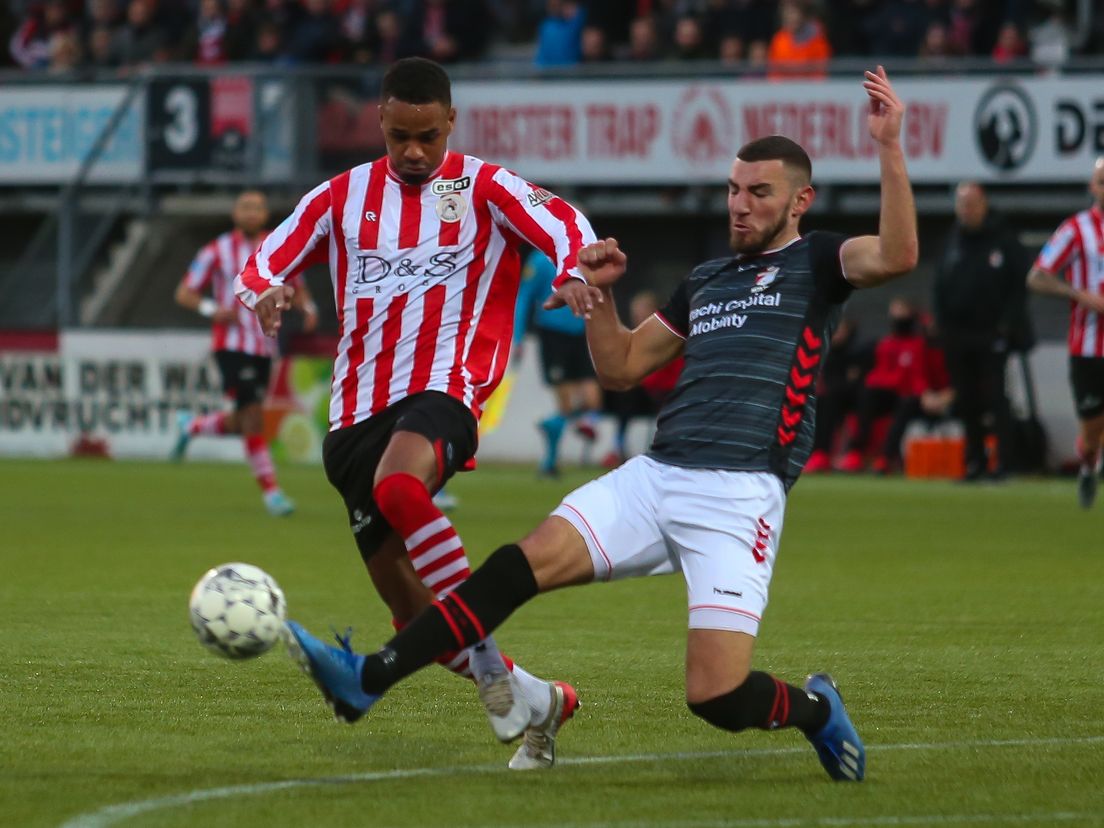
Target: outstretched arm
(262,285)
(873,260)
(1041,281)
(550,224)
(622,358)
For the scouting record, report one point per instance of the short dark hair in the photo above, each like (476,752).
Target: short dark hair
(778,148)
(416,80)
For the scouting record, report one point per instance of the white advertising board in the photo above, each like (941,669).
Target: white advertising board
(120,388)
(47,131)
(652,132)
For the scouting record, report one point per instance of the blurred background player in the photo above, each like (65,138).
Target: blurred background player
(565,360)
(1076,250)
(242,352)
(425,271)
(980,307)
(644,400)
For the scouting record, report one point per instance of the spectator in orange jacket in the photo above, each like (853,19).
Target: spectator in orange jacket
(799,49)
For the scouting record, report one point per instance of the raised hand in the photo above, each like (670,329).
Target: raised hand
(886,109)
(602,262)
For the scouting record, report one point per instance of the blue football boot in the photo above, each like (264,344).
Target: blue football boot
(183,435)
(278,504)
(336,671)
(837,744)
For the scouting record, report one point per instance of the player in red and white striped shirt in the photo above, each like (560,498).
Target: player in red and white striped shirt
(1077,250)
(242,351)
(423,252)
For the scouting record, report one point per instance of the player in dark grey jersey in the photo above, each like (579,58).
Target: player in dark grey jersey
(708,498)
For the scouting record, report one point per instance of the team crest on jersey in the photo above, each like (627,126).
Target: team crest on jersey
(450,185)
(764,279)
(996,258)
(539,195)
(451,208)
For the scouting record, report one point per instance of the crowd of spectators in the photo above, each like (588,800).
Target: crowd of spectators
(765,32)
(63,35)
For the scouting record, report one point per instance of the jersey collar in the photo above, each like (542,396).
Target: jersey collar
(778,249)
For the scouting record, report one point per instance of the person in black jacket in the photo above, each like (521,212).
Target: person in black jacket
(980,309)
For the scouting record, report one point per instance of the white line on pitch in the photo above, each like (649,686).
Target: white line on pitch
(848,822)
(112,814)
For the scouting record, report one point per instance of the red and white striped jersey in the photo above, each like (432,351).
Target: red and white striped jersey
(425,277)
(1077,247)
(216,266)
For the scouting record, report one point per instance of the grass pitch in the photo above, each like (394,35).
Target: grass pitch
(963,624)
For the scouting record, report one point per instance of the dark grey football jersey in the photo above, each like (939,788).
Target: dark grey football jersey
(757,330)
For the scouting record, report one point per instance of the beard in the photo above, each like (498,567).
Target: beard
(752,243)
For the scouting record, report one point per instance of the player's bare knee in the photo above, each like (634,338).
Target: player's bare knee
(717,662)
(558,555)
(702,685)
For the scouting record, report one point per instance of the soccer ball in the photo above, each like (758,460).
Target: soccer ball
(237,610)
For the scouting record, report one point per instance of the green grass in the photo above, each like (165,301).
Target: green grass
(954,618)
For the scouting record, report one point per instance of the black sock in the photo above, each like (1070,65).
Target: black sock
(764,702)
(462,618)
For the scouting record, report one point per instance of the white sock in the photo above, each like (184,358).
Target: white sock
(484,658)
(537,694)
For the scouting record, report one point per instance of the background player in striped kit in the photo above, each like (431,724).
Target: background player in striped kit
(242,352)
(708,498)
(422,246)
(1077,250)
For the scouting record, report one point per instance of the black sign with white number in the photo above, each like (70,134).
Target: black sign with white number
(178,114)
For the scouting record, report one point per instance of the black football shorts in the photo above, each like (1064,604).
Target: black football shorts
(1087,382)
(351,455)
(244,376)
(564,357)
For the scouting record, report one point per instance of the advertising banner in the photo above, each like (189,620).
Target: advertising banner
(121,389)
(118,393)
(673,132)
(47,131)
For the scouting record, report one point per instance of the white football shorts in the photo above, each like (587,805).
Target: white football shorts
(719,528)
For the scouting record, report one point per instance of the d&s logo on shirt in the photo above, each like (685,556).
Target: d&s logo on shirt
(368,273)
